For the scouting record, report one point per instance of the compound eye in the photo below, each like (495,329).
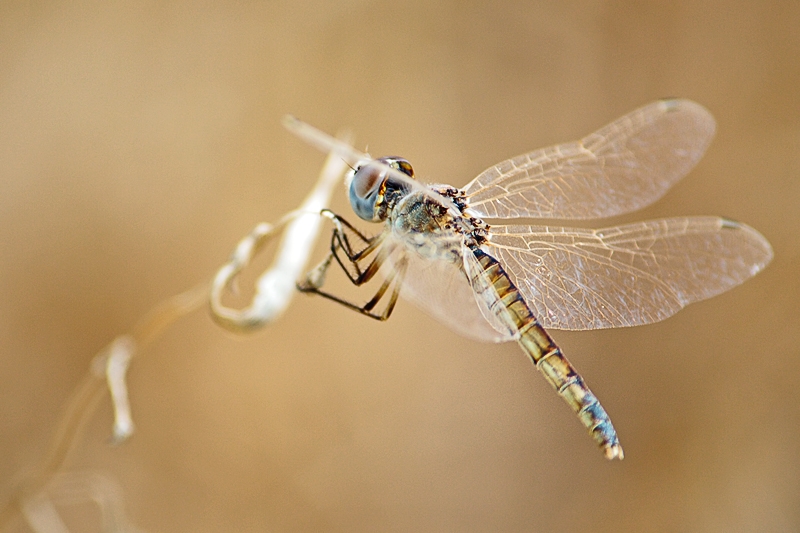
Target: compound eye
(402,165)
(365,189)
(366,181)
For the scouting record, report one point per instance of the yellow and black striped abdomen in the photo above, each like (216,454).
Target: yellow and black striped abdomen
(504,300)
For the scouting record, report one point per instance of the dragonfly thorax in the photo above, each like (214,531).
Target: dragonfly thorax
(374,191)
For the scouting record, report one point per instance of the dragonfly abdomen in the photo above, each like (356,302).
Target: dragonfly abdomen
(544,353)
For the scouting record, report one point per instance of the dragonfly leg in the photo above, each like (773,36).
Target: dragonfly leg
(350,248)
(350,255)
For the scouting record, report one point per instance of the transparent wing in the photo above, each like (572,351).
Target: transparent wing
(441,289)
(626,275)
(622,167)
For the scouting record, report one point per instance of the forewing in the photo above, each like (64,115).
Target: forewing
(622,167)
(441,289)
(626,275)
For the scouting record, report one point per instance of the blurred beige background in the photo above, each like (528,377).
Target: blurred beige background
(140,140)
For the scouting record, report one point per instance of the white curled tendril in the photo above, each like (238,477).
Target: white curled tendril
(274,291)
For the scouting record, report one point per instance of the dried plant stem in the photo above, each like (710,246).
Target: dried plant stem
(87,394)
(275,288)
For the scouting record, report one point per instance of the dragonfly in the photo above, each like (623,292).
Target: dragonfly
(441,249)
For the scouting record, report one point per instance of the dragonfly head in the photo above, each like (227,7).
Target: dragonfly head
(374,190)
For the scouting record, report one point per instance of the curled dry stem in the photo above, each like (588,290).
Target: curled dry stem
(108,369)
(86,396)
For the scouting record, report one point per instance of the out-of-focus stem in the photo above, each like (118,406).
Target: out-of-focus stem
(90,390)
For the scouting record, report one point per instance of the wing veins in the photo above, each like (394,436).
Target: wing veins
(621,167)
(626,275)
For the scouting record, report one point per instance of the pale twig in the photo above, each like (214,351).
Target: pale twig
(355,158)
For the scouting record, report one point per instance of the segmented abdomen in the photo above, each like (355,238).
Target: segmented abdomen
(504,300)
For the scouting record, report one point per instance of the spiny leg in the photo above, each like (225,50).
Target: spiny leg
(351,265)
(395,276)
(339,240)
(353,255)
